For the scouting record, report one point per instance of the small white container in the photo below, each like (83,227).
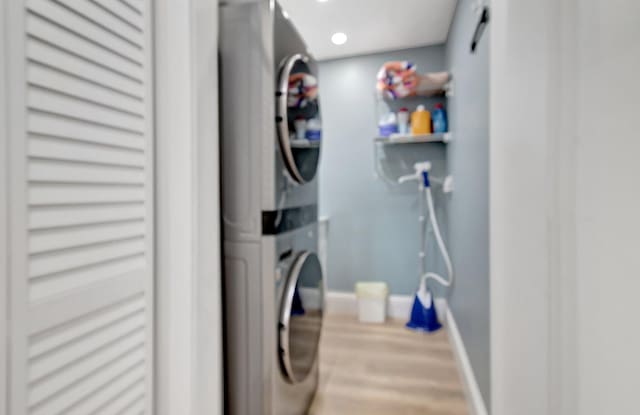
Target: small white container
(300,125)
(403,121)
(372,301)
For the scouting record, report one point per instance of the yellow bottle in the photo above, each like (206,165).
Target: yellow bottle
(421,121)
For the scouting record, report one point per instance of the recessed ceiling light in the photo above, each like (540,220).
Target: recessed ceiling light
(339,38)
(285,14)
(322,1)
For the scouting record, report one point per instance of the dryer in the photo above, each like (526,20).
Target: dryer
(272,279)
(268,84)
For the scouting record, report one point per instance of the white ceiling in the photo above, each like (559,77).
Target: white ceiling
(371,25)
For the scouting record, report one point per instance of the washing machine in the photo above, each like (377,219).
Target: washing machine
(270,151)
(274,301)
(299,295)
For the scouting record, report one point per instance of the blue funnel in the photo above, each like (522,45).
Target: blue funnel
(424,316)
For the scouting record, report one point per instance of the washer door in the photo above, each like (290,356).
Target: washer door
(298,118)
(301,317)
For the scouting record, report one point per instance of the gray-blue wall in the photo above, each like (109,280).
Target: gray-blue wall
(468,208)
(373,230)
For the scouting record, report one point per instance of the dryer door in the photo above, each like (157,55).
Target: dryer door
(298,118)
(301,317)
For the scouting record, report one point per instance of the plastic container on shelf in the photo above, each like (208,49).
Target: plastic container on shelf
(314,130)
(400,79)
(372,301)
(421,121)
(403,121)
(440,123)
(388,124)
(300,124)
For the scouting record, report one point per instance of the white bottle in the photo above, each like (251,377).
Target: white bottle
(403,121)
(300,125)
(314,130)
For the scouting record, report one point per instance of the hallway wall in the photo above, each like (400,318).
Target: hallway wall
(607,202)
(373,232)
(468,207)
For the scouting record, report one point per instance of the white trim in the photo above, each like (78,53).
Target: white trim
(4,234)
(323,251)
(398,306)
(16,123)
(471,388)
(208,279)
(311,297)
(149,283)
(527,204)
(189,339)
(338,302)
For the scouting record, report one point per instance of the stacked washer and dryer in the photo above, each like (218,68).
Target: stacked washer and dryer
(273,281)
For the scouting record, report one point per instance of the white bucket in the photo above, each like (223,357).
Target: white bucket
(372,301)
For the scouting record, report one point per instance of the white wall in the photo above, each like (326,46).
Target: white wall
(564,201)
(373,235)
(608,206)
(189,303)
(519,207)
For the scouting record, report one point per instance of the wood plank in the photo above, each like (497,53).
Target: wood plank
(385,369)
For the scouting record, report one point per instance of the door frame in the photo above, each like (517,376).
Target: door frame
(189,369)
(532,207)
(4,220)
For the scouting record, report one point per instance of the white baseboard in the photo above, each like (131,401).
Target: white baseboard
(311,298)
(339,302)
(399,307)
(471,388)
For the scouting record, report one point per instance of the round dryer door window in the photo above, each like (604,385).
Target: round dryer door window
(301,317)
(298,118)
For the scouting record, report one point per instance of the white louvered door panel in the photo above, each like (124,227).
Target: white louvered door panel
(81,206)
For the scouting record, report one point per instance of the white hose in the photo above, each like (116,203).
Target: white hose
(441,246)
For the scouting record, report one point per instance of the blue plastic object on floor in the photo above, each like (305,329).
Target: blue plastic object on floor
(297,309)
(424,316)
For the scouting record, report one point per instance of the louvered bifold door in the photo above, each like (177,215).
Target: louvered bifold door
(81,208)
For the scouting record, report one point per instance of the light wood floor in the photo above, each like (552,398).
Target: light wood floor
(385,370)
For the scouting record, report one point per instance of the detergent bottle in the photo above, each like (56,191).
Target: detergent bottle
(421,121)
(440,119)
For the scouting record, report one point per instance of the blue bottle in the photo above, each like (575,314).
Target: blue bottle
(439,116)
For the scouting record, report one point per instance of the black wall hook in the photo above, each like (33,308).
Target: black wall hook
(484,21)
